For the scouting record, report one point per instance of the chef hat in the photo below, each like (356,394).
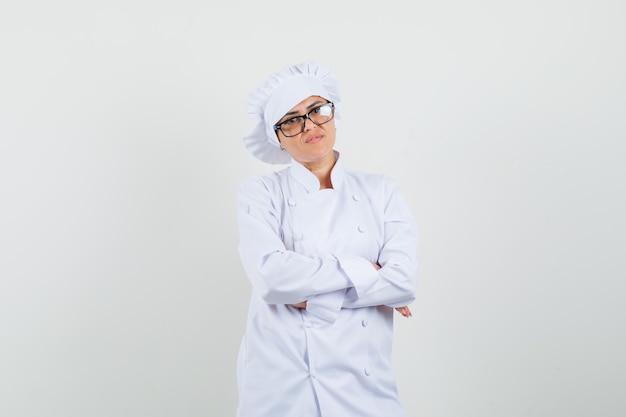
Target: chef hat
(272,99)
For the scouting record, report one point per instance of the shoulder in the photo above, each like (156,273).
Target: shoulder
(373,181)
(261,182)
(261,189)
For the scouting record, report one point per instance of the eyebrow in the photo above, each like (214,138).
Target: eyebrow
(291,113)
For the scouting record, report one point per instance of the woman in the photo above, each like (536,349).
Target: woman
(329,252)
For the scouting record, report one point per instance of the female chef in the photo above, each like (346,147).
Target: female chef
(329,252)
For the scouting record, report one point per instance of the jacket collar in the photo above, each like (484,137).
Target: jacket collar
(310,181)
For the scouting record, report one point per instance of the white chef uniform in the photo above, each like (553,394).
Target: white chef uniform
(297,243)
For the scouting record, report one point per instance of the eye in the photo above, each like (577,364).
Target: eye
(322,110)
(292,121)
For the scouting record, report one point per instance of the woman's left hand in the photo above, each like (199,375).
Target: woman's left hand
(404,311)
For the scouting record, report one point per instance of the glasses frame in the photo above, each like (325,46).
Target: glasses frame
(304,119)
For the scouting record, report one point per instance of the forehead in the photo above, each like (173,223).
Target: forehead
(306,104)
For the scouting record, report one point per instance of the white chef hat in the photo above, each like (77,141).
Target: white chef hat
(272,99)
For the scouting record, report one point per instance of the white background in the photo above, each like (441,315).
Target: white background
(121,291)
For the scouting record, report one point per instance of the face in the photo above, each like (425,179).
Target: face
(315,144)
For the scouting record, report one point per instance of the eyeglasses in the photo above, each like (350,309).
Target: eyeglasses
(319,115)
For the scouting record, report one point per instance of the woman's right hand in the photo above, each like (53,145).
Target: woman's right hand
(298,305)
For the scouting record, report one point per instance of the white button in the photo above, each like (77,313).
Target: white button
(362,229)
(356,197)
(298,236)
(367,372)
(291,201)
(364,323)
(313,375)
(308,324)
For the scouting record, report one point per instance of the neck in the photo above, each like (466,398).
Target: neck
(322,169)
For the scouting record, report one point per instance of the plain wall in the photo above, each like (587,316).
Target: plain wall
(121,290)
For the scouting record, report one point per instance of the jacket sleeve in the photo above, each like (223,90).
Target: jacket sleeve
(282,276)
(395,284)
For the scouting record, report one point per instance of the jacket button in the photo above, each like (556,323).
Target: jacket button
(356,197)
(364,323)
(298,236)
(362,229)
(367,372)
(291,201)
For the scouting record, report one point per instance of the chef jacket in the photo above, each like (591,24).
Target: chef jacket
(302,243)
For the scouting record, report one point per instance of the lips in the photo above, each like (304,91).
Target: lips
(313,139)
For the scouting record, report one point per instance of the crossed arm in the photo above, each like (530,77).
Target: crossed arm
(327,282)
(404,310)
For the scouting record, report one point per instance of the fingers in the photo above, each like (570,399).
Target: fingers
(375,265)
(298,305)
(405,311)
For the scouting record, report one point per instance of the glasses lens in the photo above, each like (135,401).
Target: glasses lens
(322,114)
(292,126)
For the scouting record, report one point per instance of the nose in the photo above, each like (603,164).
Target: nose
(308,124)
